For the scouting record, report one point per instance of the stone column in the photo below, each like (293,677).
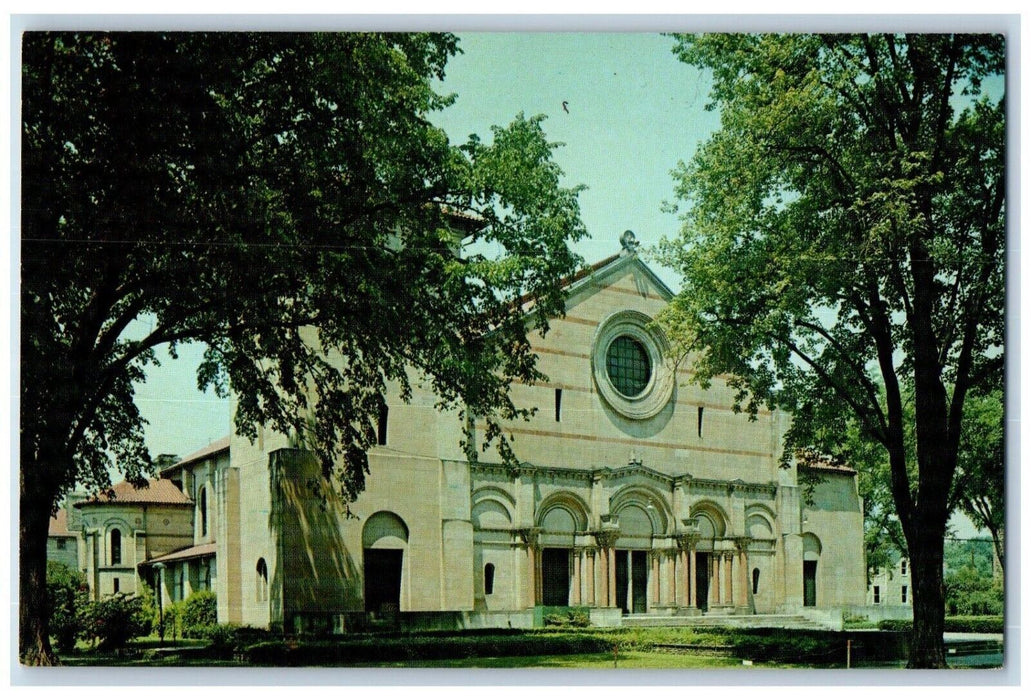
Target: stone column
(591,554)
(714,577)
(611,569)
(684,590)
(578,553)
(606,539)
(728,578)
(671,575)
(692,578)
(531,540)
(744,584)
(654,584)
(687,540)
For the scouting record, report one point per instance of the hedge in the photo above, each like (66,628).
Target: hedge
(986,624)
(419,648)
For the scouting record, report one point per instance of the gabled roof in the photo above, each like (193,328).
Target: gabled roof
(612,264)
(59,525)
(220,445)
(156,492)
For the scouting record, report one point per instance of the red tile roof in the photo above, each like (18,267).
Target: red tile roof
(59,525)
(194,552)
(157,491)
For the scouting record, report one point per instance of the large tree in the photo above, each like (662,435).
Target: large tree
(284,199)
(842,250)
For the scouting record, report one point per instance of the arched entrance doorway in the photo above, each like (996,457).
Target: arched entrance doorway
(384,541)
(558,528)
(635,540)
(811,549)
(710,528)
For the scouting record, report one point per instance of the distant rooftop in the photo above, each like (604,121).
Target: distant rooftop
(59,525)
(156,492)
(191,552)
(213,448)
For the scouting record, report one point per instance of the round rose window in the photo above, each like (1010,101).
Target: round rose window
(628,366)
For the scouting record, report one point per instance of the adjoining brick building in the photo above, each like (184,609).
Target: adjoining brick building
(120,530)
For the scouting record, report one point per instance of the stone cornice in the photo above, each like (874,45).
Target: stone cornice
(635,469)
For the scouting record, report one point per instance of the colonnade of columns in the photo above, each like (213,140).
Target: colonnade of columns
(672,573)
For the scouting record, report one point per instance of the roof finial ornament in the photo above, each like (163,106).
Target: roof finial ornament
(629,242)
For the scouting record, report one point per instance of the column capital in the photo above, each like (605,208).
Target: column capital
(742,543)
(531,536)
(687,540)
(606,537)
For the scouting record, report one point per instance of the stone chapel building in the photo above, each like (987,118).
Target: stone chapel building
(638,493)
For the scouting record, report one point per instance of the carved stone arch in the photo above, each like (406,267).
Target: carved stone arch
(811,547)
(490,512)
(650,501)
(384,530)
(759,522)
(571,503)
(714,513)
(117,521)
(712,523)
(495,492)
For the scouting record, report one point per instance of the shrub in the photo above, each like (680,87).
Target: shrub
(895,625)
(68,597)
(380,649)
(571,618)
(993,624)
(149,605)
(174,620)
(115,620)
(222,640)
(199,613)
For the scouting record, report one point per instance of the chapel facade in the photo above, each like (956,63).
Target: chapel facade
(637,493)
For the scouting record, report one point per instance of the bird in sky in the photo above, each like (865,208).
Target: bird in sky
(565,106)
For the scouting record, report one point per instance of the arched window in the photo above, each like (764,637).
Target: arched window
(262,580)
(116,546)
(755,581)
(488,579)
(203,508)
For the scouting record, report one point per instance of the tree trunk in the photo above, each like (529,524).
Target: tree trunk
(33,623)
(927,644)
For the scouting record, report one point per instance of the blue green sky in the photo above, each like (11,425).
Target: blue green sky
(633,112)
